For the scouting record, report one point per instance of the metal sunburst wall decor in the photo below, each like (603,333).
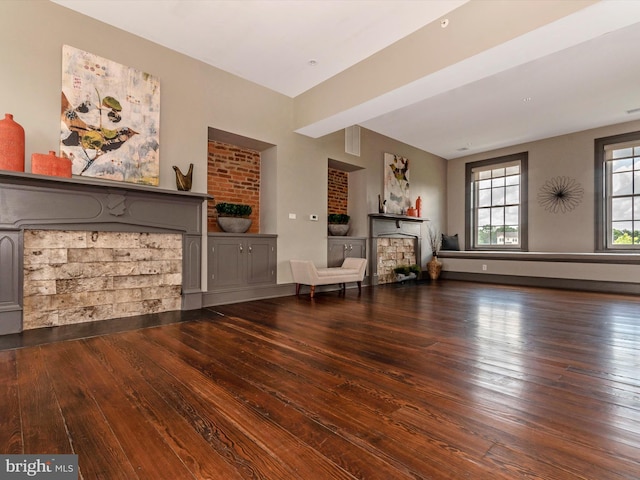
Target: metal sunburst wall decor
(560,194)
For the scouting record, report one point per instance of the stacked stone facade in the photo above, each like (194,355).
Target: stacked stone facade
(76,276)
(392,253)
(233,176)
(338,191)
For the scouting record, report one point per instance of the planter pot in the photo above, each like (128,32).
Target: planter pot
(234,224)
(434,267)
(401,277)
(338,229)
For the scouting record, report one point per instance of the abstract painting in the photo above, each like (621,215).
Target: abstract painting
(396,183)
(110,119)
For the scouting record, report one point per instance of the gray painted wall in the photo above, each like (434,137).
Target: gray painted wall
(195,97)
(567,155)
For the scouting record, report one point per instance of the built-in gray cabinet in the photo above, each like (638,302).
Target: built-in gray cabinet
(340,248)
(236,261)
(10,282)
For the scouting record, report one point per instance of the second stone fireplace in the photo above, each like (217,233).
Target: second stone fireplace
(393,252)
(395,240)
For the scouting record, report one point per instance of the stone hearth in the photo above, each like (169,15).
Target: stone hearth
(73,277)
(391,253)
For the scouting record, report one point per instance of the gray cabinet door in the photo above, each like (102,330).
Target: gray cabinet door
(261,260)
(227,262)
(340,248)
(10,282)
(236,262)
(357,248)
(337,248)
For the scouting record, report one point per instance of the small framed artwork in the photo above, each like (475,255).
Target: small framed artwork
(396,183)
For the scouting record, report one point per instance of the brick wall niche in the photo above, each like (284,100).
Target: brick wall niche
(233,176)
(337,191)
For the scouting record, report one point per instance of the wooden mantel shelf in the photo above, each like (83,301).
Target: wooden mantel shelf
(23,178)
(395,216)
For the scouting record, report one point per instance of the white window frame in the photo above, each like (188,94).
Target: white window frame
(473,173)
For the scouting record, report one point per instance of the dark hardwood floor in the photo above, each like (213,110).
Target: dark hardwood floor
(449,380)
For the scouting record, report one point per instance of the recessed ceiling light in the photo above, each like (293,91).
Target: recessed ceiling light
(312,63)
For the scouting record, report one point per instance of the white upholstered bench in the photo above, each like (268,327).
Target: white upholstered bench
(306,273)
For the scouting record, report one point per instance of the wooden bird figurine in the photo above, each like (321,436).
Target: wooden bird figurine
(183,182)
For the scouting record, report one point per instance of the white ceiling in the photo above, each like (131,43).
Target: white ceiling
(580,72)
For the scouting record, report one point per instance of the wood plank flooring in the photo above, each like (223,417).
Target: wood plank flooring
(446,380)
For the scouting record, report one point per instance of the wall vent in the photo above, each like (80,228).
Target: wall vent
(352,140)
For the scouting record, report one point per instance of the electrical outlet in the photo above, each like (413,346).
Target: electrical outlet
(292,216)
(484,268)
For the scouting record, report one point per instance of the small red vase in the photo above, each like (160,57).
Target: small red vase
(11,144)
(50,164)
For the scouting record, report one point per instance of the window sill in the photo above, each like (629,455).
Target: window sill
(610,258)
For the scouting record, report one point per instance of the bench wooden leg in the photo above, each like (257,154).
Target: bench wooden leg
(359,287)
(297,289)
(313,290)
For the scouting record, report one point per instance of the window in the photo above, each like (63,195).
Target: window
(618,192)
(496,196)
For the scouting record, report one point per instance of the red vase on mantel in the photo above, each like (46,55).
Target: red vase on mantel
(11,144)
(50,164)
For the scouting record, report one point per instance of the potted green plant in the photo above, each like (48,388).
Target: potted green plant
(407,272)
(234,217)
(338,223)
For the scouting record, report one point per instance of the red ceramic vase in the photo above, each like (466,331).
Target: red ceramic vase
(11,144)
(50,164)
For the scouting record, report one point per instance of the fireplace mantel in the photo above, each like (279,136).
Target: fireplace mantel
(386,224)
(37,201)
(30,201)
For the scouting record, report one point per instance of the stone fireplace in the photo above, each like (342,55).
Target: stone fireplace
(80,250)
(393,252)
(395,240)
(79,276)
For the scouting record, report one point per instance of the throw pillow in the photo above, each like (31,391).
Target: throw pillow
(450,242)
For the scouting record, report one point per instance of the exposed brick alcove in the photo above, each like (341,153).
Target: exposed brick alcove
(338,191)
(233,176)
